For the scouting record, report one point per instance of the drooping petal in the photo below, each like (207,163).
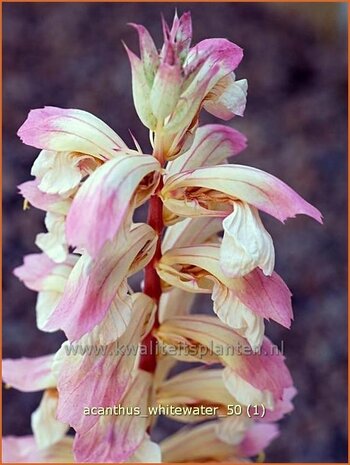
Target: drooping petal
(25,450)
(93,284)
(227,98)
(46,428)
(235,314)
(91,375)
(246,243)
(101,204)
(48,202)
(54,242)
(205,339)
(266,296)
(29,374)
(251,185)
(70,130)
(115,438)
(212,144)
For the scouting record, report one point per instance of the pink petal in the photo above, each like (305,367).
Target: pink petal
(257,439)
(101,204)
(114,438)
(71,130)
(282,406)
(30,191)
(266,370)
(267,296)
(35,269)
(29,374)
(212,144)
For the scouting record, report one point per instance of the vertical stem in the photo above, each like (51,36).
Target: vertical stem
(152,285)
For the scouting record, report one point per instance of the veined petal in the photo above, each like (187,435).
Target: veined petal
(175,302)
(266,296)
(48,202)
(199,444)
(54,243)
(166,89)
(25,450)
(190,232)
(212,144)
(205,339)
(260,189)
(61,172)
(47,430)
(195,387)
(70,130)
(106,196)
(93,284)
(29,374)
(91,375)
(227,98)
(235,314)
(181,31)
(141,91)
(246,243)
(115,438)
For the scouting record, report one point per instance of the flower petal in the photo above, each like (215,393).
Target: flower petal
(29,374)
(93,284)
(70,130)
(115,438)
(106,195)
(257,438)
(54,243)
(212,144)
(36,267)
(47,430)
(227,98)
(246,243)
(91,375)
(25,450)
(231,311)
(48,202)
(260,189)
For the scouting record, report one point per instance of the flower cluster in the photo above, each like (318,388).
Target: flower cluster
(89,183)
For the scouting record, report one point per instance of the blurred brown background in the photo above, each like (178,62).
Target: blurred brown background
(70,55)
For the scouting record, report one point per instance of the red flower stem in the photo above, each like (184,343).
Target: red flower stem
(152,286)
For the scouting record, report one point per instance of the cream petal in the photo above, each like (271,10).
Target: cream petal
(47,202)
(190,232)
(147,452)
(54,243)
(227,98)
(58,172)
(246,243)
(46,428)
(235,314)
(175,302)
